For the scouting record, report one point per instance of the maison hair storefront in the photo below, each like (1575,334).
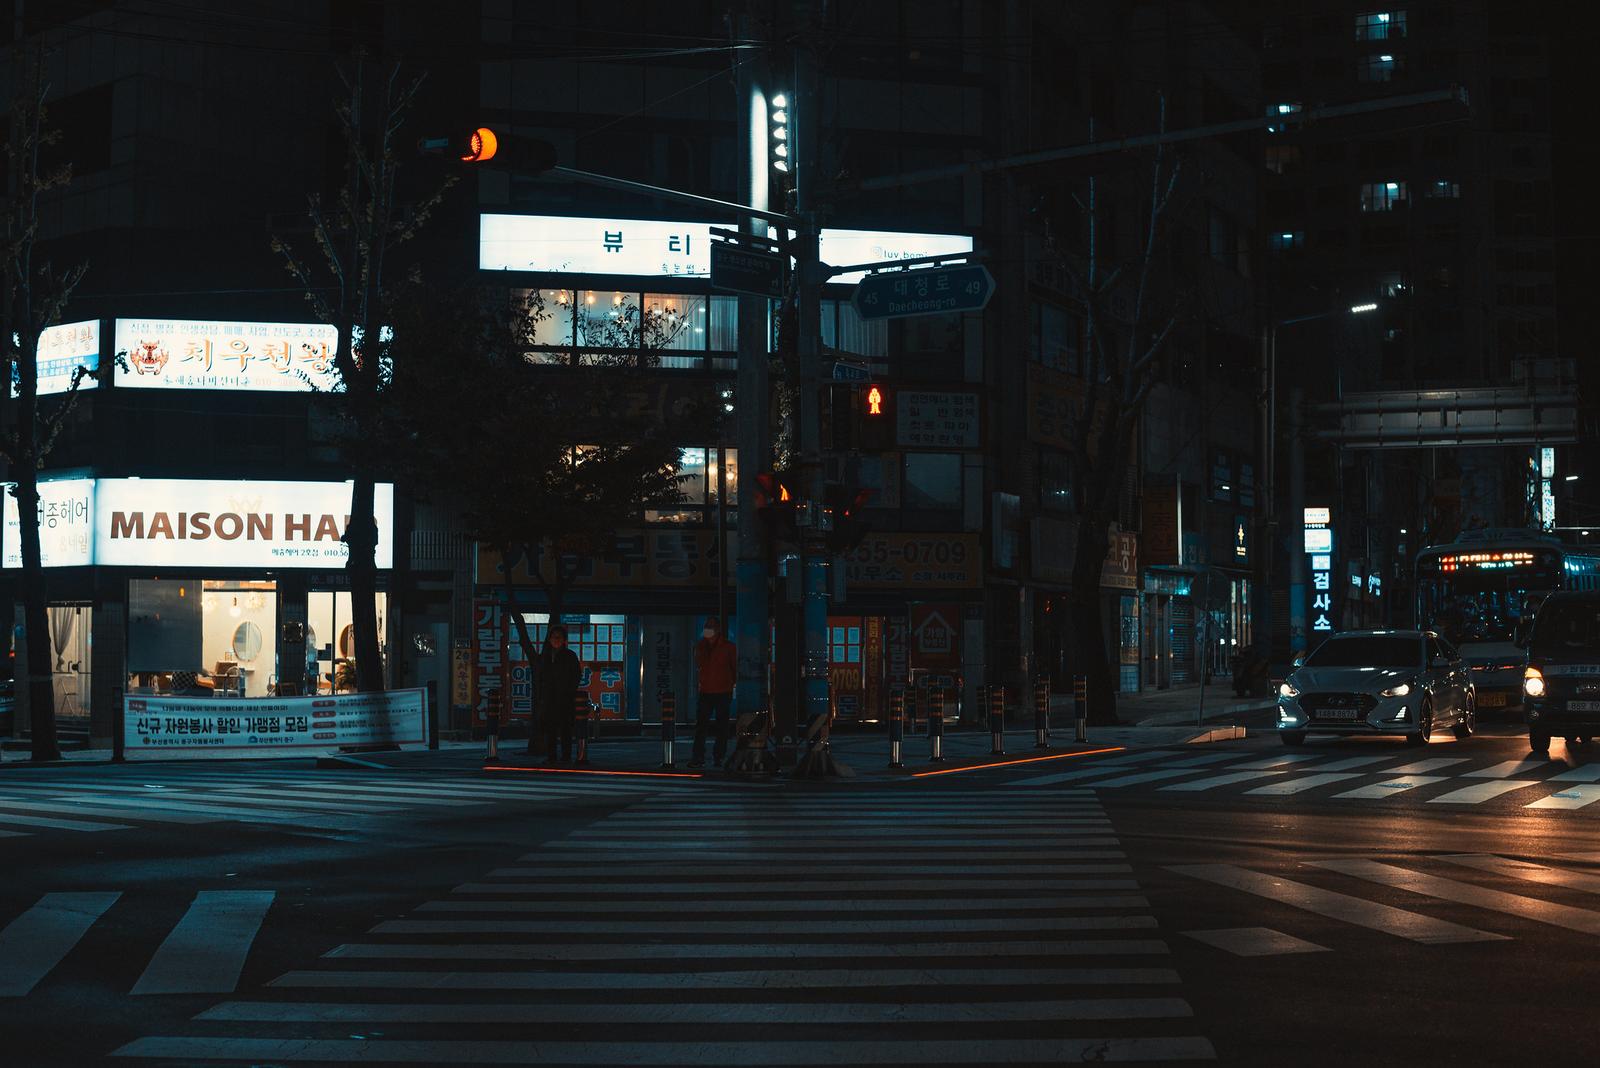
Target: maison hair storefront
(197,588)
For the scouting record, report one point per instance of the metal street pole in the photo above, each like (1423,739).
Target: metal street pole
(814,562)
(750,598)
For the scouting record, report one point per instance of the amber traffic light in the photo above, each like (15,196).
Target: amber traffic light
(482,144)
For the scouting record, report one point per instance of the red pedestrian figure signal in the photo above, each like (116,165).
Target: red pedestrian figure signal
(874,401)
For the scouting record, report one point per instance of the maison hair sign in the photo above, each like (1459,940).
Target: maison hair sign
(195,523)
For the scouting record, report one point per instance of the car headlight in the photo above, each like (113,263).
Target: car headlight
(1398,691)
(1288,690)
(1533,682)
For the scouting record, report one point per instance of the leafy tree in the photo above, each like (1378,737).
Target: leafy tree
(546,464)
(32,297)
(354,238)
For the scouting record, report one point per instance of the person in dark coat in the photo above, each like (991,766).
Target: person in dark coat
(555,682)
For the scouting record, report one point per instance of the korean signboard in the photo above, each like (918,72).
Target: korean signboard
(898,561)
(66,524)
(167,728)
(62,350)
(1160,520)
(1121,570)
(1241,539)
(1319,547)
(654,248)
(636,558)
(937,420)
(489,649)
(197,354)
(163,522)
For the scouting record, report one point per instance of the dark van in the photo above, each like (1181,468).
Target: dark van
(1561,680)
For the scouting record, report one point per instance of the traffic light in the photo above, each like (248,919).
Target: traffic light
(777,507)
(483,145)
(845,505)
(875,418)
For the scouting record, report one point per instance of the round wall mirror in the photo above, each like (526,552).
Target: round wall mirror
(247,642)
(347,641)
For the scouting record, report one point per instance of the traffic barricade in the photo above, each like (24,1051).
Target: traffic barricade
(897,726)
(997,719)
(1080,705)
(669,727)
(1041,712)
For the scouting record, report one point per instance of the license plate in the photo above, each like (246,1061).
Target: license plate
(1583,706)
(1336,713)
(1492,700)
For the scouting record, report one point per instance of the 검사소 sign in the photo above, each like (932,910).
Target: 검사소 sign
(172,728)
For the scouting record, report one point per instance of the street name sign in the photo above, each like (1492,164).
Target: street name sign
(745,270)
(938,291)
(850,372)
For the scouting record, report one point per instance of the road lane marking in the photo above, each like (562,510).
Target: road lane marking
(1144,776)
(15,834)
(206,951)
(609,870)
(720,906)
(979,883)
(673,855)
(1390,787)
(1478,793)
(1423,767)
(652,1054)
(367,800)
(562,951)
(764,979)
(72,808)
(887,847)
(1255,941)
(1199,760)
(1334,905)
(1308,782)
(1577,796)
(1101,767)
(1534,873)
(1226,779)
(1581,773)
(35,942)
(719,1012)
(900,927)
(1359,762)
(1528,908)
(1507,768)
(1277,761)
(16,820)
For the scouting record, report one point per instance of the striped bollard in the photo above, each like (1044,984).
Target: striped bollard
(1041,713)
(581,719)
(669,727)
(997,719)
(936,727)
(1080,705)
(897,726)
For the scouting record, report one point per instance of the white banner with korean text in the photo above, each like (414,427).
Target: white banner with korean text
(184,728)
(200,354)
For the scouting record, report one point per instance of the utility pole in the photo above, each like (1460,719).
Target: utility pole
(813,552)
(750,398)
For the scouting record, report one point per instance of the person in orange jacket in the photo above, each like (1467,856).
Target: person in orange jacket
(717,662)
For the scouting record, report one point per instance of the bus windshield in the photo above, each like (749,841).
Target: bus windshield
(1479,595)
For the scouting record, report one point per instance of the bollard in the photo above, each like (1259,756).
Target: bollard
(1080,705)
(669,727)
(936,727)
(913,706)
(897,726)
(491,724)
(582,718)
(997,719)
(1041,713)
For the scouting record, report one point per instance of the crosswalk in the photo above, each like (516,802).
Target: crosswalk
(754,929)
(1337,774)
(104,800)
(1321,899)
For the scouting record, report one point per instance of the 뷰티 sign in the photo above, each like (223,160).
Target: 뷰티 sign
(167,728)
(197,354)
(163,522)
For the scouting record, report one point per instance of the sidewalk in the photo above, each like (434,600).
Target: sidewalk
(1182,705)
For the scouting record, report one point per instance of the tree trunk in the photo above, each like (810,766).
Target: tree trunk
(36,622)
(524,638)
(1088,631)
(362,539)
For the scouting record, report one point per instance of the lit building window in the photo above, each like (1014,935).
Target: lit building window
(1380,25)
(1380,67)
(1445,189)
(1382,196)
(1275,111)
(1393,285)
(1286,240)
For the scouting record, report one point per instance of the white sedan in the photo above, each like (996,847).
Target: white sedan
(1405,682)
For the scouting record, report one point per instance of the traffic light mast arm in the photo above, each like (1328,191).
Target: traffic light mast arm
(605,180)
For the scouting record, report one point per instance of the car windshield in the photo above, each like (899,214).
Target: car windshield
(1368,650)
(1565,628)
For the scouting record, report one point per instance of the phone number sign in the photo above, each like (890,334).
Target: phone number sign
(899,561)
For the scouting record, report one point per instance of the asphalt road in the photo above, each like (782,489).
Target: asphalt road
(1362,903)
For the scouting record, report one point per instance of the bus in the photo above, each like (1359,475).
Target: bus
(1479,590)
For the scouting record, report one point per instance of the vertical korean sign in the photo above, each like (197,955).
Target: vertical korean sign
(491,667)
(1319,547)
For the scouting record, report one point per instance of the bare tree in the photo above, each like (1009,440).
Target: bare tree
(354,237)
(1123,361)
(32,299)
